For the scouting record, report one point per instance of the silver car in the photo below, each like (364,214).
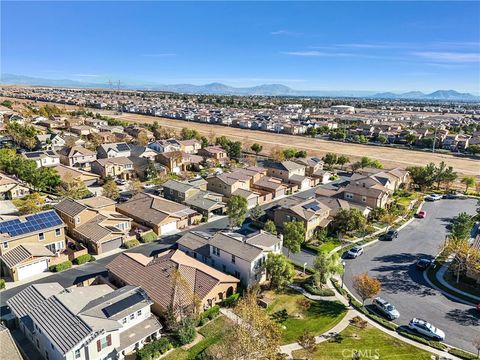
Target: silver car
(426,329)
(386,308)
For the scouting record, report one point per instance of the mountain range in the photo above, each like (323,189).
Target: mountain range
(222,89)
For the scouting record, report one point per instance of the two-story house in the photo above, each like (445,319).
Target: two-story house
(368,191)
(28,243)
(214,152)
(11,188)
(312,213)
(165,146)
(290,172)
(232,253)
(45,158)
(77,156)
(120,167)
(85,323)
(107,151)
(95,223)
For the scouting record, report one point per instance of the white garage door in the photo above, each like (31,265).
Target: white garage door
(168,227)
(32,269)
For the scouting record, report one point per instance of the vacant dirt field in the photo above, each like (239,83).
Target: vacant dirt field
(390,157)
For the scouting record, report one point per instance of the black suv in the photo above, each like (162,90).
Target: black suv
(390,235)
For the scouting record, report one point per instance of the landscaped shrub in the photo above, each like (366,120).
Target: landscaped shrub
(279,316)
(131,243)
(2,284)
(231,300)
(82,259)
(154,349)
(61,267)
(316,291)
(148,237)
(462,354)
(211,313)
(186,333)
(432,343)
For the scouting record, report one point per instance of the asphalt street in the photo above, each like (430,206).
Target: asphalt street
(404,286)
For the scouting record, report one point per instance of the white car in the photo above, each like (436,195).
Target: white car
(386,308)
(148,186)
(426,329)
(433,197)
(355,252)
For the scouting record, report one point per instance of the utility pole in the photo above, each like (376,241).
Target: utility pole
(434,139)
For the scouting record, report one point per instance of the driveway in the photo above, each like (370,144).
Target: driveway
(393,264)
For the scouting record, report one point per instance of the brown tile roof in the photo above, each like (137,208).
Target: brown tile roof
(97,202)
(70,207)
(156,276)
(24,252)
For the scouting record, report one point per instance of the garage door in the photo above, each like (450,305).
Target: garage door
(111,245)
(168,227)
(32,269)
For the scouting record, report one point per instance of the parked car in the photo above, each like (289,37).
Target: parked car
(120,182)
(426,329)
(148,186)
(421,214)
(433,197)
(450,195)
(386,308)
(423,264)
(122,199)
(354,252)
(390,235)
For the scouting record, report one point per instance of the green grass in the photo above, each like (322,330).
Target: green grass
(213,332)
(322,315)
(461,285)
(369,342)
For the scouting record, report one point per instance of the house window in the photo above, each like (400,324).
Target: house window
(124,320)
(139,313)
(5,244)
(216,251)
(233,259)
(132,316)
(364,199)
(349,196)
(104,342)
(77,220)
(77,353)
(58,232)
(41,236)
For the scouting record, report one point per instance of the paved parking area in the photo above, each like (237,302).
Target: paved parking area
(393,264)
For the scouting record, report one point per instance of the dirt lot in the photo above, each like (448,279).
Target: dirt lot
(390,157)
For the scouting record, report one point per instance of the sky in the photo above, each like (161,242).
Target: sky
(377,46)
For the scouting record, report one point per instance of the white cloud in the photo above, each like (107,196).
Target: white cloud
(284,32)
(453,57)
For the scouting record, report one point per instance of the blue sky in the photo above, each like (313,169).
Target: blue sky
(305,45)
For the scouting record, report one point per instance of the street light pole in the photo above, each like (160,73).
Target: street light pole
(343,273)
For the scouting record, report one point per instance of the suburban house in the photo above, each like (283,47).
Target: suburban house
(205,202)
(396,177)
(11,188)
(33,235)
(45,158)
(165,146)
(232,253)
(190,146)
(290,172)
(336,204)
(312,213)
(81,323)
(120,167)
(173,280)
(107,151)
(68,174)
(178,161)
(95,223)
(226,184)
(214,152)
(368,190)
(161,215)
(143,152)
(77,156)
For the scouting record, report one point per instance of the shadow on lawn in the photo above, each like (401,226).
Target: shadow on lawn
(326,308)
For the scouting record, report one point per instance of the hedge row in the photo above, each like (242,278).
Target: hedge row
(154,349)
(2,284)
(131,243)
(231,300)
(435,344)
(463,354)
(148,237)
(316,291)
(82,259)
(61,267)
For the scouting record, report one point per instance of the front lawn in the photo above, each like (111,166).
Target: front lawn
(320,317)
(370,343)
(212,333)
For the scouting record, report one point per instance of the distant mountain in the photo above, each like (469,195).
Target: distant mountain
(437,95)
(222,89)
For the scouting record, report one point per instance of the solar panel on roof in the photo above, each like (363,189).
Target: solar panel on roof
(36,222)
(123,304)
(123,147)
